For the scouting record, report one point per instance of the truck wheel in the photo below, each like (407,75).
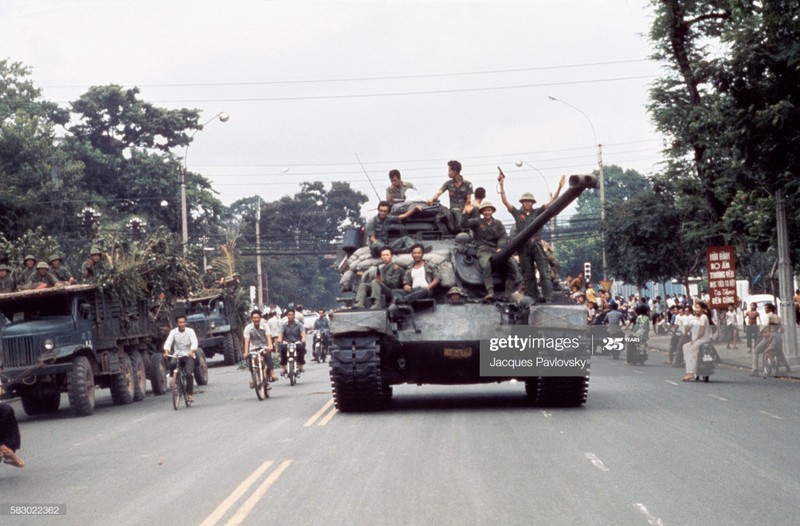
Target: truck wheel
(200,368)
(36,403)
(139,376)
(122,388)
(158,374)
(229,350)
(80,387)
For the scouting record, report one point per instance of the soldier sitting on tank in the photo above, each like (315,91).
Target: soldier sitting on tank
(43,278)
(457,296)
(490,235)
(60,271)
(420,279)
(389,277)
(396,191)
(7,281)
(377,230)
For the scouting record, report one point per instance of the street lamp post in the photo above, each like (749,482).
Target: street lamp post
(602,183)
(223,117)
(519,164)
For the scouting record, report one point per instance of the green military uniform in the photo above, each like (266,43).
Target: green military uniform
(7,283)
(489,237)
(458,199)
(48,278)
(92,271)
(532,256)
(25,274)
(209,278)
(431,275)
(398,194)
(391,278)
(380,229)
(62,272)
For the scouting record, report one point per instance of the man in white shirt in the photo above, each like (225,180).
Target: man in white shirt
(182,341)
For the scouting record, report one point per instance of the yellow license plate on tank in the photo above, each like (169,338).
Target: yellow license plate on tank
(457,353)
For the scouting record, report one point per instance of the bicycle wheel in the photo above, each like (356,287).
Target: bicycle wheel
(257,373)
(176,390)
(265,380)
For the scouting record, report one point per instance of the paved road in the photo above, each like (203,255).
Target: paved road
(646,449)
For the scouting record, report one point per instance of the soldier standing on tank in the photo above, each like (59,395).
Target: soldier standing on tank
(460,192)
(7,281)
(532,256)
(93,268)
(377,230)
(389,277)
(490,235)
(43,278)
(28,270)
(60,271)
(396,191)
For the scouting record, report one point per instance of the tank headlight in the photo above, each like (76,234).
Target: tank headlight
(48,344)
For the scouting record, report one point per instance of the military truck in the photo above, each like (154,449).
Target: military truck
(216,322)
(434,341)
(72,339)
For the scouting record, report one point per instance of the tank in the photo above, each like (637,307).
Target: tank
(437,341)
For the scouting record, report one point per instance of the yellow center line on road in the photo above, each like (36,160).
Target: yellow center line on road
(328,417)
(250,503)
(226,504)
(318,414)
(776,417)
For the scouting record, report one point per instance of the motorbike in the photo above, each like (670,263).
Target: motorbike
(321,346)
(291,363)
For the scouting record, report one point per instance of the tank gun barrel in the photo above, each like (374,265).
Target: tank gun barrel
(575,186)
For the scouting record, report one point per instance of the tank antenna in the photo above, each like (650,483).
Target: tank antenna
(368,179)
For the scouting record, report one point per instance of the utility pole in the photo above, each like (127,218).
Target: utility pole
(785,282)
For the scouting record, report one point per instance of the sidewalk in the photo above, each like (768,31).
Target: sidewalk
(732,357)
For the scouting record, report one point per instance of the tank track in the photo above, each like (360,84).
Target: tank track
(355,373)
(558,391)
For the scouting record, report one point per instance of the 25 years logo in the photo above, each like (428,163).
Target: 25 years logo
(613,344)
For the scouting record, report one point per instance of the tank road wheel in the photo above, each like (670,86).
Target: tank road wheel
(356,377)
(562,391)
(80,387)
(122,388)
(200,368)
(158,374)
(139,376)
(37,402)
(229,350)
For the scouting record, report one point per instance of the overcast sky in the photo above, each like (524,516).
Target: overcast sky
(406,85)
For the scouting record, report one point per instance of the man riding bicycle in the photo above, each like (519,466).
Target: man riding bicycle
(182,341)
(257,338)
(292,332)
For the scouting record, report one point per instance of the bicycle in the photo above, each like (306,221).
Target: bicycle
(258,372)
(179,381)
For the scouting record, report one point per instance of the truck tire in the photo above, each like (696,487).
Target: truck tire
(356,379)
(229,350)
(139,376)
(200,368)
(37,403)
(158,374)
(122,388)
(80,387)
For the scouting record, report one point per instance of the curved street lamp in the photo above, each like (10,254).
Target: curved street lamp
(602,182)
(223,117)
(315,204)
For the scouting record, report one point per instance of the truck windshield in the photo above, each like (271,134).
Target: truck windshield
(23,309)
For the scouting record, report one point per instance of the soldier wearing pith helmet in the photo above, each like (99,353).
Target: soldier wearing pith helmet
(94,265)
(43,278)
(60,271)
(28,269)
(490,236)
(531,254)
(7,281)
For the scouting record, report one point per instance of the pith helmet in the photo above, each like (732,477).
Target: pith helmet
(29,256)
(209,267)
(95,250)
(527,196)
(456,290)
(5,267)
(485,205)
(54,257)
(43,265)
